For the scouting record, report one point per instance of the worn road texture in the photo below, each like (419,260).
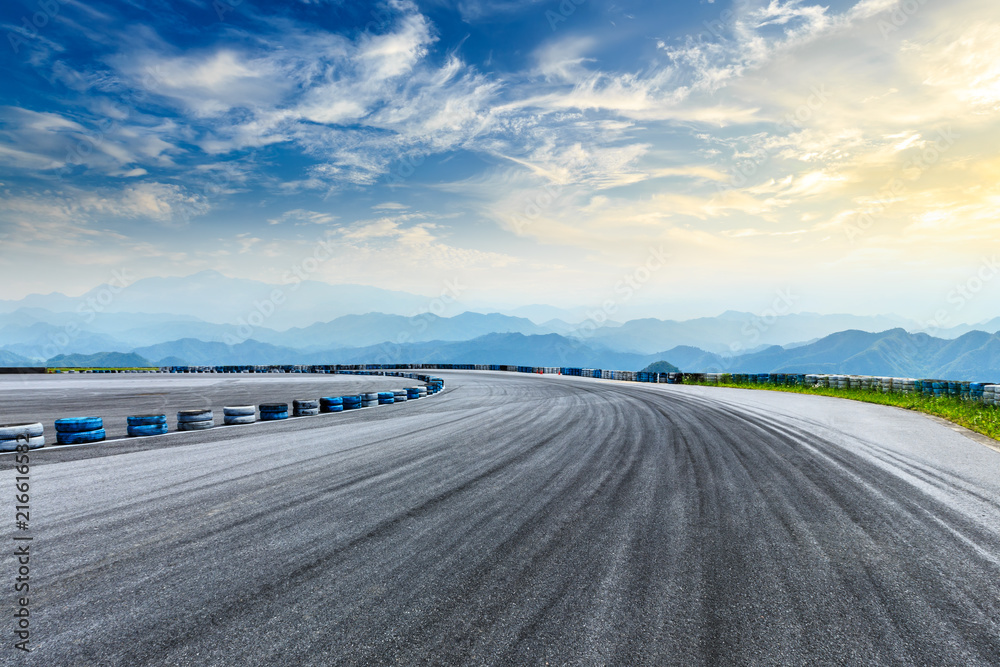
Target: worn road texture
(521,520)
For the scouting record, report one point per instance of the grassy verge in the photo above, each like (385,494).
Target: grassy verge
(975,416)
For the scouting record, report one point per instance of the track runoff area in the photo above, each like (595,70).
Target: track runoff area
(509,519)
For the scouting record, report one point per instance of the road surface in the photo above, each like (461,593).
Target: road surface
(522,520)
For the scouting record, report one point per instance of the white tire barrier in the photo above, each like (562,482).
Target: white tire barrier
(13,431)
(195,420)
(234,420)
(13,435)
(239,414)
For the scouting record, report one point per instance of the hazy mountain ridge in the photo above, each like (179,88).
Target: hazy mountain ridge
(100,360)
(974,356)
(39,334)
(316,315)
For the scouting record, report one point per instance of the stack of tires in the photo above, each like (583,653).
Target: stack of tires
(140,425)
(79,430)
(990,394)
(369,400)
(195,420)
(399,395)
(331,404)
(413,393)
(239,414)
(351,402)
(13,435)
(386,398)
(306,407)
(273,411)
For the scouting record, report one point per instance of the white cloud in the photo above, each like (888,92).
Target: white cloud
(302,216)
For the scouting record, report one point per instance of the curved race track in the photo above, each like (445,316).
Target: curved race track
(521,520)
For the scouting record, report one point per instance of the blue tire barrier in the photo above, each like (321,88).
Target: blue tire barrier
(239,411)
(386,398)
(194,416)
(331,404)
(80,437)
(33,442)
(147,420)
(351,402)
(148,429)
(273,411)
(79,424)
(14,431)
(234,420)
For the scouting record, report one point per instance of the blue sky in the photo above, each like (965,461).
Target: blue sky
(536,151)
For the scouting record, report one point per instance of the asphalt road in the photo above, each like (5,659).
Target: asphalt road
(522,520)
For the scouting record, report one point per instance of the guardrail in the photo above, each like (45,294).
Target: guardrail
(983,392)
(88,430)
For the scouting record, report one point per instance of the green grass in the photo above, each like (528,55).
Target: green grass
(973,415)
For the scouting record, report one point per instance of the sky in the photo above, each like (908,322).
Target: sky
(663,159)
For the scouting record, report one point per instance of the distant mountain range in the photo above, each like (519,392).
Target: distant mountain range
(99,360)
(213,297)
(40,334)
(314,315)
(208,318)
(974,356)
